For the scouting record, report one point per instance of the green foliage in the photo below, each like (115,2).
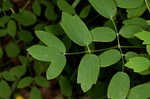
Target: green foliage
(25,82)
(65,6)
(103,34)
(119,86)
(74,49)
(18,71)
(138,64)
(140,91)
(25,18)
(128,31)
(144,35)
(11,27)
(35,93)
(49,39)
(85,11)
(41,81)
(76,30)
(5,90)
(106,8)
(65,86)
(129,3)
(12,50)
(36,8)
(109,57)
(90,63)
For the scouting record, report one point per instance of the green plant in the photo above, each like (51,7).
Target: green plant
(100,47)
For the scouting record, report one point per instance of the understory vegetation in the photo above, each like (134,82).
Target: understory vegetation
(74,49)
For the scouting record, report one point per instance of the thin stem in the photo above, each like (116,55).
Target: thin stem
(89,51)
(118,40)
(12,10)
(100,50)
(27,3)
(147,5)
(75,3)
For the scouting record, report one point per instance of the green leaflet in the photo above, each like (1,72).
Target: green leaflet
(136,12)
(144,35)
(42,53)
(65,86)
(76,29)
(6,5)
(130,54)
(50,40)
(18,71)
(129,3)
(99,90)
(55,29)
(138,64)
(88,71)
(65,6)
(12,49)
(103,34)
(35,93)
(85,11)
(5,90)
(146,72)
(36,7)
(8,76)
(56,67)
(25,36)
(25,18)
(109,57)
(11,28)
(41,81)
(148,49)
(4,20)
(3,32)
(25,82)
(140,92)
(136,21)
(106,8)
(50,12)
(128,31)
(119,86)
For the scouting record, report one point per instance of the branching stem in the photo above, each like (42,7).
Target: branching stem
(119,46)
(100,50)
